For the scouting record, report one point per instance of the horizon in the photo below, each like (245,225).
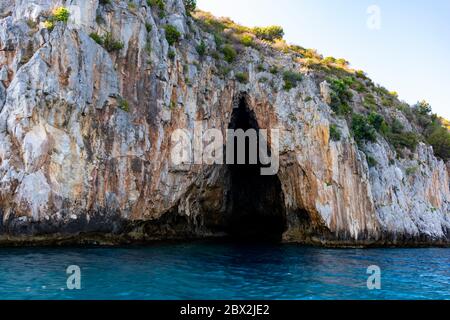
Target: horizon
(377,37)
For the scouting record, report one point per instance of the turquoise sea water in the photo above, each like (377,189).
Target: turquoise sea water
(224,271)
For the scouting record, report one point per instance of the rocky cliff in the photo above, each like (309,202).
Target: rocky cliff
(88,108)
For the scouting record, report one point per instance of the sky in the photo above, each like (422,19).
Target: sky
(404,45)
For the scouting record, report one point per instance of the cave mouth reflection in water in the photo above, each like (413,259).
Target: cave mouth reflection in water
(256,202)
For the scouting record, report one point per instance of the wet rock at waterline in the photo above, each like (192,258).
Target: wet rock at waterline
(88,109)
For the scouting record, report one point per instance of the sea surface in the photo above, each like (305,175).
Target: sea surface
(205,270)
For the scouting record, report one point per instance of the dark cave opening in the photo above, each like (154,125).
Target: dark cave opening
(256,202)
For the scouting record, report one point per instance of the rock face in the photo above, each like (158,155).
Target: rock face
(85,134)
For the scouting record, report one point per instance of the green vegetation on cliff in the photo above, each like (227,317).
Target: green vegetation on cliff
(59,14)
(107,41)
(172,34)
(371,110)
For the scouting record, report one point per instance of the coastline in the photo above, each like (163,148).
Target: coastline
(125,240)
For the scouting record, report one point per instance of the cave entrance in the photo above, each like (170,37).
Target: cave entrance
(256,202)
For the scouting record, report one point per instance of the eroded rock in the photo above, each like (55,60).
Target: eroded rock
(86,140)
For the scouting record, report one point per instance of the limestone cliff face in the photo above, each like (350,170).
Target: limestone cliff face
(86,137)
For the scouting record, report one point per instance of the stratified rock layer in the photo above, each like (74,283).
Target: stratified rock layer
(86,139)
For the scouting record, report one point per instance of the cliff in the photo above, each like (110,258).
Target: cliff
(88,107)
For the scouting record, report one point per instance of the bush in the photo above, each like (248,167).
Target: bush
(291,79)
(335,133)
(218,39)
(270,33)
(342,62)
(445,123)
(157,4)
(273,70)
(107,41)
(377,121)
(360,74)
(423,108)
(224,71)
(340,96)
(229,53)
(362,129)
(397,126)
(242,77)
(393,94)
(124,105)
(190,6)
(432,128)
(408,140)
(329,60)
(61,14)
(439,138)
(201,48)
(49,25)
(171,54)
(111,44)
(370,102)
(97,38)
(411,170)
(400,139)
(172,34)
(247,40)
(371,161)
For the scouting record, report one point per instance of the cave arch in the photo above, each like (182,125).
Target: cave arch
(256,207)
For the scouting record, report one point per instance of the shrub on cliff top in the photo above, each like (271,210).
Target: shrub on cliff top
(270,33)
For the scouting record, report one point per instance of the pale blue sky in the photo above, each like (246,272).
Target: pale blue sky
(410,54)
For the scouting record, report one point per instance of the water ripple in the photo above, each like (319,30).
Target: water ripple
(224,271)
